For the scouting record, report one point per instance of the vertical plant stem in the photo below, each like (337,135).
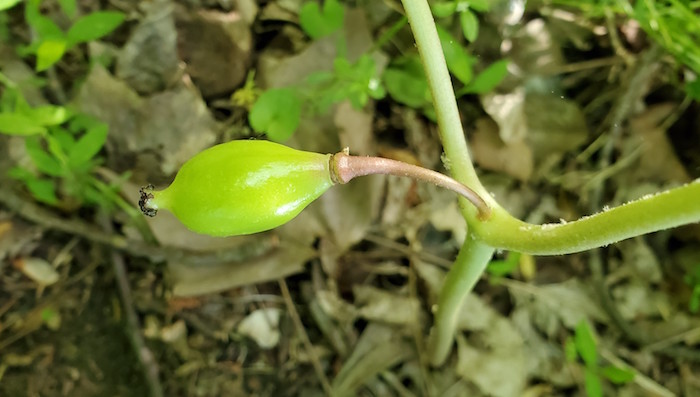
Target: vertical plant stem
(450,125)
(460,280)
(474,255)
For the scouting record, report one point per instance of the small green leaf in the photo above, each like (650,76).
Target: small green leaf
(88,145)
(479,5)
(617,375)
(376,89)
(4,27)
(43,190)
(443,9)
(64,138)
(18,124)
(592,383)
(693,89)
(45,28)
(487,80)
(459,62)
(406,83)
(7,4)
(585,344)
(694,301)
(470,25)
(317,23)
(48,115)
(94,26)
(82,122)
(570,350)
(502,268)
(355,82)
(48,53)
(55,148)
(277,113)
(69,7)
(42,160)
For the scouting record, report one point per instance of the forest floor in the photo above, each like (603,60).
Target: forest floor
(590,112)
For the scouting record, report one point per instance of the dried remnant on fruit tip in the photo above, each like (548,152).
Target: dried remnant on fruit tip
(145,201)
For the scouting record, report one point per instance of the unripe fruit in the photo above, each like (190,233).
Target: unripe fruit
(242,187)
(245,187)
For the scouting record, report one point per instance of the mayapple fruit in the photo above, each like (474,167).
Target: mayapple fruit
(242,187)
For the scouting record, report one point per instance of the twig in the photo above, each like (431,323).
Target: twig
(133,326)
(305,338)
(408,251)
(27,209)
(672,340)
(643,381)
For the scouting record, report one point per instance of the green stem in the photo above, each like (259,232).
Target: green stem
(450,125)
(474,255)
(651,213)
(470,263)
(664,210)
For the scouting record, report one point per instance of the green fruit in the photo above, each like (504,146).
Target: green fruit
(242,187)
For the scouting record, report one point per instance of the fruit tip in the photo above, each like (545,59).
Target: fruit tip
(145,204)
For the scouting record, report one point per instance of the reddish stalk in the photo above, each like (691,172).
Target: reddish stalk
(345,167)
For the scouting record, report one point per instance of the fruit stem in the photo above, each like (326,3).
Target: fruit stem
(345,167)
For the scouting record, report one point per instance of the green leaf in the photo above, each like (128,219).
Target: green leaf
(502,268)
(487,80)
(56,150)
(694,301)
(443,9)
(82,122)
(88,145)
(48,53)
(570,350)
(376,89)
(586,345)
(277,113)
(693,89)
(470,25)
(45,28)
(459,62)
(479,5)
(43,161)
(592,383)
(317,23)
(94,26)
(617,375)
(406,83)
(68,6)
(43,190)
(7,4)
(18,124)
(48,115)
(64,138)
(355,82)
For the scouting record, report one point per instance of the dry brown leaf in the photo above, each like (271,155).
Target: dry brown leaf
(492,153)
(175,123)
(197,280)
(658,160)
(216,47)
(148,62)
